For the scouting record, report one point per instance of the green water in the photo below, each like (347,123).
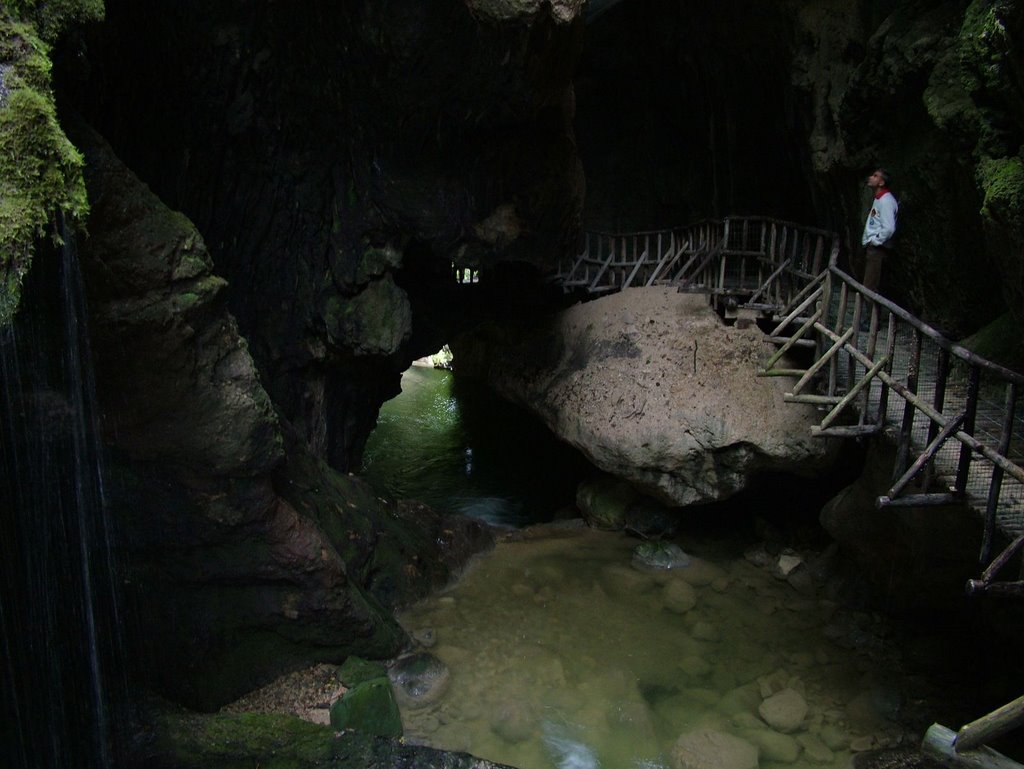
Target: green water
(459,448)
(562,654)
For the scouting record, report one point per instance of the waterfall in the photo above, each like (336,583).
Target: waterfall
(62,669)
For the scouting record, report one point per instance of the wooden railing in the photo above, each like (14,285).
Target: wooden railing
(878,368)
(957,418)
(755,263)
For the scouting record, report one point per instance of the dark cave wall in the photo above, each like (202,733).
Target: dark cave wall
(688,110)
(685,111)
(313,145)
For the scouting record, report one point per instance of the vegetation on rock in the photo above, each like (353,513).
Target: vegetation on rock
(40,170)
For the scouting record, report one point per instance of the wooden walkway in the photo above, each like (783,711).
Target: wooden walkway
(871,367)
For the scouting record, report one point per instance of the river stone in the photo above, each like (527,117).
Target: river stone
(705,631)
(650,519)
(419,679)
(773,746)
(622,581)
(700,572)
(657,555)
(834,737)
(679,596)
(369,708)
(514,721)
(603,502)
(695,666)
(784,711)
(815,750)
(711,749)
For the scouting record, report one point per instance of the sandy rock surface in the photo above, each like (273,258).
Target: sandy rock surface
(653,387)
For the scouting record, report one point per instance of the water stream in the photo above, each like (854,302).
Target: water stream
(564,654)
(457,447)
(61,652)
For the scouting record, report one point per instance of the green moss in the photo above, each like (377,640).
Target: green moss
(984,43)
(370,708)
(999,341)
(247,740)
(1002,182)
(40,170)
(356,670)
(53,17)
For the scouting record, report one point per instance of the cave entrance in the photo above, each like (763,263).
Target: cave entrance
(452,443)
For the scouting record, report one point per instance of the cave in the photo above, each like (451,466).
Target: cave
(284,199)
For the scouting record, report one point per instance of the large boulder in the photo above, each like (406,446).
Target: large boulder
(652,386)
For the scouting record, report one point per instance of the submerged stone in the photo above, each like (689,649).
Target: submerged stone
(711,749)
(784,711)
(419,679)
(659,555)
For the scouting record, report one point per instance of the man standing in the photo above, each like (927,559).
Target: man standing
(879,228)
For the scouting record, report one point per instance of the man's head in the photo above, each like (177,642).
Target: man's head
(879,178)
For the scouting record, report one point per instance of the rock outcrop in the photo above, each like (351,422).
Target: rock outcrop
(655,389)
(248,555)
(347,155)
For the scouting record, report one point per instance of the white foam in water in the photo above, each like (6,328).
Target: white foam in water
(568,753)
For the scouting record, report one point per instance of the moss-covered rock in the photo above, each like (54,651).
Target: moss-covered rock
(368,707)
(190,741)
(40,170)
(1002,180)
(376,321)
(53,17)
(604,502)
(355,670)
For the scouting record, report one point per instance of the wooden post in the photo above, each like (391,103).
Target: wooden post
(938,403)
(833,369)
(907,426)
(995,487)
(995,724)
(971,408)
(883,395)
(939,741)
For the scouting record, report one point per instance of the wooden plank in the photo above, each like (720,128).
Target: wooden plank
(796,343)
(1014,589)
(636,268)
(782,268)
(811,321)
(805,302)
(939,744)
(593,285)
(823,360)
(848,398)
(995,485)
(926,455)
(1003,558)
(818,400)
(846,431)
(989,727)
(919,500)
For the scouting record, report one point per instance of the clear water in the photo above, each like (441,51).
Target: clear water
(461,449)
(562,654)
